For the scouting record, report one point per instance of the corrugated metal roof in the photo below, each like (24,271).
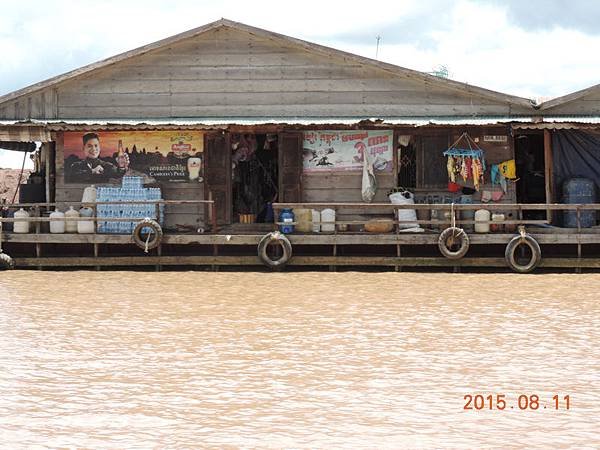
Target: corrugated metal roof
(221,123)
(302,121)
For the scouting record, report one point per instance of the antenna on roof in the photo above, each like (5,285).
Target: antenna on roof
(377,48)
(441,71)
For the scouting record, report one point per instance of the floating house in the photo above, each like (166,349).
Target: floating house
(232,124)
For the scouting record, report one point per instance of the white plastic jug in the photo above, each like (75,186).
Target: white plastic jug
(89,194)
(482,215)
(57,222)
(86,226)
(71,216)
(328,220)
(22,224)
(316,218)
(498,225)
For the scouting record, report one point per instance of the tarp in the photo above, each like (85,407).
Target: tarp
(575,153)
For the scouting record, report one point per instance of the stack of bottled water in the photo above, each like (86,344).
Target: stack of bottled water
(132,189)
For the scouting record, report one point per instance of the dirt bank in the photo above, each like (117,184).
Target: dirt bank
(9,180)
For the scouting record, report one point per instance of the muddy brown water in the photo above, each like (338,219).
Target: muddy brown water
(301,360)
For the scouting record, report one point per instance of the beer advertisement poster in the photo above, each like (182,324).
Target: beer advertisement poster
(105,156)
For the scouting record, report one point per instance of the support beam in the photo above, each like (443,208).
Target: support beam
(548,161)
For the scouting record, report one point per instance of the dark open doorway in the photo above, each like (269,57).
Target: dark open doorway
(254,159)
(531,185)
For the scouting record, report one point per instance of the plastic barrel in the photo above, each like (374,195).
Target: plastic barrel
(467,214)
(579,190)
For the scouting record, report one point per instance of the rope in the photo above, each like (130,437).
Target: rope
(146,245)
(20,177)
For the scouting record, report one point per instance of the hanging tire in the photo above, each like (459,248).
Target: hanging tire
(279,239)
(6,262)
(145,227)
(450,238)
(511,257)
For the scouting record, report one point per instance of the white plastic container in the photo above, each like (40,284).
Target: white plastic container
(498,224)
(303,220)
(21,225)
(57,222)
(316,218)
(71,216)
(86,226)
(328,220)
(482,215)
(89,194)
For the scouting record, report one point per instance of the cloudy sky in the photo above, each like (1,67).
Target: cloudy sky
(532,48)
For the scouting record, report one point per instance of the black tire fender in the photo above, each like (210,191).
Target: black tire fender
(447,239)
(511,248)
(6,262)
(156,230)
(275,238)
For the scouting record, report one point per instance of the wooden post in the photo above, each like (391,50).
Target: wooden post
(548,161)
(398,268)
(158,267)
(38,252)
(47,164)
(96,253)
(213,208)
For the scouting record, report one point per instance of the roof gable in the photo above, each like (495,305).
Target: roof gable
(583,102)
(211,69)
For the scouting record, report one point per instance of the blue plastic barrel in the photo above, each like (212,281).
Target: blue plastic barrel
(286,216)
(579,190)
(467,214)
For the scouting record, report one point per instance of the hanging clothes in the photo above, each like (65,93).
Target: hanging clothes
(468,163)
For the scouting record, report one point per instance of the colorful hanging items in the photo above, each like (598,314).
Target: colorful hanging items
(508,169)
(503,171)
(468,163)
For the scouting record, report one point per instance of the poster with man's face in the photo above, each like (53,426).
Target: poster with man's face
(106,156)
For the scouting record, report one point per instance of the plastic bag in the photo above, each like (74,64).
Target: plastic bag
(405,198)
(369,182)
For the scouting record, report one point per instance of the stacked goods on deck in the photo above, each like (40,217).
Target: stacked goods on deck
(132,189)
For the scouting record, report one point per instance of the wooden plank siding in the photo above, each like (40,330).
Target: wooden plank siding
(233,73)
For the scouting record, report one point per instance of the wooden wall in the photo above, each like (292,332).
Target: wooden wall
(588,105)
(232,73)
(495,152)
(335,186)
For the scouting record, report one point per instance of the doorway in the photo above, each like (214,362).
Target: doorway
(531,185)
(255,175)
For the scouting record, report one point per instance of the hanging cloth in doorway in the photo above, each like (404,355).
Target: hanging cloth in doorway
(465,160)
(576,153)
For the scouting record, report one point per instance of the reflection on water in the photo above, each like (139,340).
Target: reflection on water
(126,359)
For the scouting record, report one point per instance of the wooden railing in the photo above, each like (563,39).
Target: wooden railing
(38,208)
(369,208)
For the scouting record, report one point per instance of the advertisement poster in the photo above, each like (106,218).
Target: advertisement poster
(101,157)
(344,150)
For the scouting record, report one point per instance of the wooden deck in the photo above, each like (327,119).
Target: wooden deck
(43,251)
(564,236)
(236,245)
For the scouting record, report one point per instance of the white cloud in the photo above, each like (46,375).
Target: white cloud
(477,40)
